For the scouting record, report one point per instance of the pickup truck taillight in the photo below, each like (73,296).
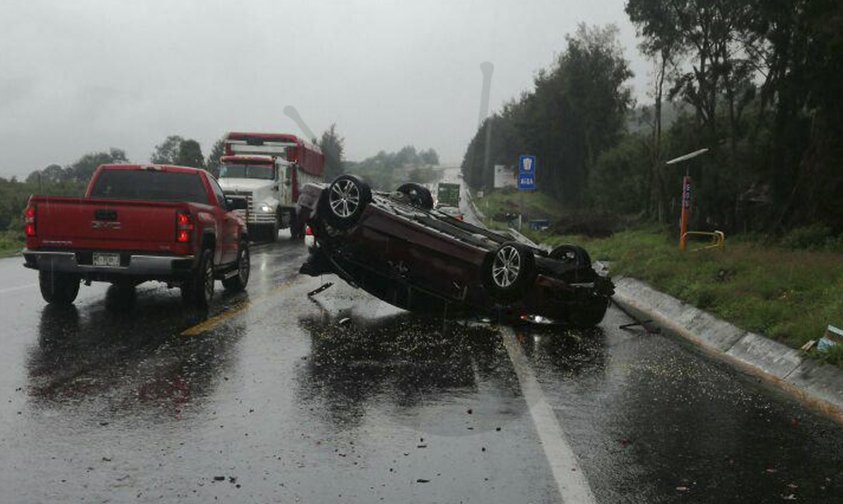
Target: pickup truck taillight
(29,221)
(184,226)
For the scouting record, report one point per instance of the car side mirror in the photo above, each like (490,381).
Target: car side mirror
(275,187)
(236,203)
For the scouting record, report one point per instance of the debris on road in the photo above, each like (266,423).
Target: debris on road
(319,289)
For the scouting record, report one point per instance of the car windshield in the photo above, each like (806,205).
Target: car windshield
(150,185)
(253,171)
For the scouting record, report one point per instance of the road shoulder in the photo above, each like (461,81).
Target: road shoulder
(819,386)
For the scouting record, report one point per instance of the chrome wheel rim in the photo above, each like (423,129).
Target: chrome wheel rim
(245,266)
(506,266)
(344,198)
(209,280)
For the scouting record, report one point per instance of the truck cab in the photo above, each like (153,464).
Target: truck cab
(268,171)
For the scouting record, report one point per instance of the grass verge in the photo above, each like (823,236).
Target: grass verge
(11,243)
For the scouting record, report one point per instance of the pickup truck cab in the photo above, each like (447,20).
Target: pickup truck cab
(138,223)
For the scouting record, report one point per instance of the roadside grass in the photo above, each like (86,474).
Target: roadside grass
(537,205)
(787,295)
(11,243)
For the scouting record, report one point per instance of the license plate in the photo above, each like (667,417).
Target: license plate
(107,260)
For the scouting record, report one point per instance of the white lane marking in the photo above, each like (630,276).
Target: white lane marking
(570,479)
(19,287)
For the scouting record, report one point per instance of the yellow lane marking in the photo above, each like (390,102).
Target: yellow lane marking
(236,310)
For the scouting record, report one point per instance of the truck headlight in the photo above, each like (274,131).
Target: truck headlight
(266,208)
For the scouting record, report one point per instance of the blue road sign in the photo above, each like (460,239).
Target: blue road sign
(526,182)
(526,165)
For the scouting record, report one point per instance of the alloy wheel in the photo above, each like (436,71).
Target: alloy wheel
(506,266)
(344,198)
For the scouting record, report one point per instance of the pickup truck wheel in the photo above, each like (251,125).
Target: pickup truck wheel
(201,287)
(238,282)
(346,198)
(509,270)
(419,196)
(58,288)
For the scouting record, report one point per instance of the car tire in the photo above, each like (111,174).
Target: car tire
(586,317)
(238,283)
(419,195)
(568,252)
(58,288)
(509,270)
(344,201)
(200,288)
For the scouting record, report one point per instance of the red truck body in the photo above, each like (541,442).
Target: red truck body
(136,223)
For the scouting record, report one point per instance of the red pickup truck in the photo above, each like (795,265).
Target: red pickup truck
(138,223)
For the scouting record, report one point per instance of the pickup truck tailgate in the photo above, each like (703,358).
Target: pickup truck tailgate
(109,224)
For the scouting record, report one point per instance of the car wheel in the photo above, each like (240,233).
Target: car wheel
(509,270)
(244,265)
(201,286)
(419,195)
(346,198)
(58,288)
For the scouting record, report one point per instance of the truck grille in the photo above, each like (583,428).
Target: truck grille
(253,216)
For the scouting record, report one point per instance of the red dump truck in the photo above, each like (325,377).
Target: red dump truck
(138,223)
(268,170)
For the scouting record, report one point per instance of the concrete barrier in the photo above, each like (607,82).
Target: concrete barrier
(820,386)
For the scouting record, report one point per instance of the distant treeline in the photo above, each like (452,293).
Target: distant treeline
(757,82)
(386,170)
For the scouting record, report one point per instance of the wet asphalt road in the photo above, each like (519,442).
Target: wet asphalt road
(346,399)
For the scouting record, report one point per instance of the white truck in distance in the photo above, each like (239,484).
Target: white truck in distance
(269,170)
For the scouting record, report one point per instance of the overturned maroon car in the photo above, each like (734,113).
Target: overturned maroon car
(402,251)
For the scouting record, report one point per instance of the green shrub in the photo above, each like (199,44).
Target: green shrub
(811,237)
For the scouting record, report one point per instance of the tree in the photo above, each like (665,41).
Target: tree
(175,150)
(429,157)
(577,111)
(212,164)
(190,154)
(167,152)
(82,170)
(332,146)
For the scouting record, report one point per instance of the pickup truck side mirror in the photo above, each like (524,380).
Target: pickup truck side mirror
(236,203)
(275,187)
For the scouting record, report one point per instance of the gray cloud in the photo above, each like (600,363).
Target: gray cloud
(87,75)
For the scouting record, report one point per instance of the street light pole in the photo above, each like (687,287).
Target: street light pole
(686,196)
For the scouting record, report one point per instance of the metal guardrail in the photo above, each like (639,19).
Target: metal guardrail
(718,239)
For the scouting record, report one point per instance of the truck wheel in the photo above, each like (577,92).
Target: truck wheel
(244,265)
(276,226)
(57,287)
(419,196)
(199,290)
(346,198)
(509,270)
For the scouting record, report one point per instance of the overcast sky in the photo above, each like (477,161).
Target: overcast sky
(78,76)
